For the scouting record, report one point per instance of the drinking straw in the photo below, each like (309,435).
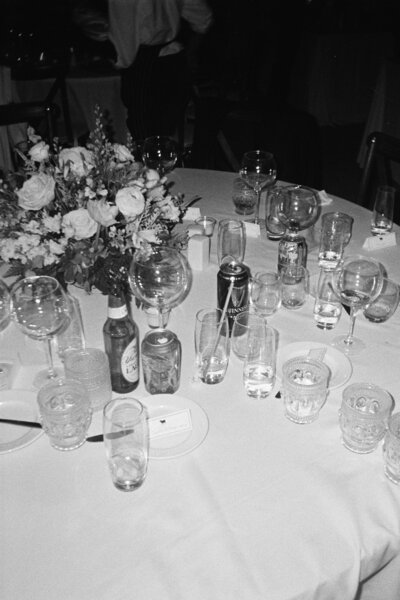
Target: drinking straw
(221,322)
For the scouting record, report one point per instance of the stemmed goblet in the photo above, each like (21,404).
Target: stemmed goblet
(160,278)
(258,169)
(40,309)
(160,153)
(356,283)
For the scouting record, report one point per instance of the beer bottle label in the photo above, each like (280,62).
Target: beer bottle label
(129,362)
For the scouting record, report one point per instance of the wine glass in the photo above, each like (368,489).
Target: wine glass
(357,282)
(258,169)
(160,153)
(40,309)
(161,278)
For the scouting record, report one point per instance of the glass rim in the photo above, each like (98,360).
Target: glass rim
(306,359)
(386,402)
(130,402)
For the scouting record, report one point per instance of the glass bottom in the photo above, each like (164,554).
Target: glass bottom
(359,449)
(43,377)
(393,478)
(301,420)
(356,346)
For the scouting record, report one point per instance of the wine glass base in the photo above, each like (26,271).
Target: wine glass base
(43,377)
(356,347)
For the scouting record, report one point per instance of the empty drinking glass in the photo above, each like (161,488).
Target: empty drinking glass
(382,214)
(391,449)
(294,286)
(385,305)
(327,308)
(259,369)
(126,440)
(305,388)
(91,368)
(231,241)
(65,413)
(265,293)
(243,325)
(211,345)
(364,416)
(274,227)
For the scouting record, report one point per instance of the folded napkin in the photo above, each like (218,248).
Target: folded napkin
(378,242)
(192,213)
(324,198)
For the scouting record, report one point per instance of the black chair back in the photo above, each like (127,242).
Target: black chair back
(33,113)
(383,157)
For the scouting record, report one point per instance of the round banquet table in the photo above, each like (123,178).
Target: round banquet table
(261,509)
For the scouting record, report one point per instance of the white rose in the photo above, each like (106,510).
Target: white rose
(78,159)
(79,224)
(144,235)
(130,202)
(36,192)
(152,178)
(102,212)
(122,153)
(39,152)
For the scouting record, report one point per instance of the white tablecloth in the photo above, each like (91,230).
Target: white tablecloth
(264,509)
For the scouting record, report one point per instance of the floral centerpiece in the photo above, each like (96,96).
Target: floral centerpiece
(80,213)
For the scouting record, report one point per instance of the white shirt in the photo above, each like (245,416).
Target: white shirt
(152,22)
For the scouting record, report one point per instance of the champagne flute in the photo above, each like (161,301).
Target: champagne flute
(40,309)
(160,153)
(357,282)
(258,169)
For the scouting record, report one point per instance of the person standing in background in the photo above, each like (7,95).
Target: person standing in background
(148,39)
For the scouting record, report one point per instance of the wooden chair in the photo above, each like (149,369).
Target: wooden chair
(382,156)
(33,113)
(57,73)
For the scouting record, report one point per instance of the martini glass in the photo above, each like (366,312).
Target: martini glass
(258,170)
(160,278)
(356,283)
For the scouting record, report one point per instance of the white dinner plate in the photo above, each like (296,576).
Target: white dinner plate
(339,364)
(21,405)
(181,442)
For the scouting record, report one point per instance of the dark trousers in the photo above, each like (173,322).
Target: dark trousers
(155,92)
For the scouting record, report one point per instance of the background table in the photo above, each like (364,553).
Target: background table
(263,509)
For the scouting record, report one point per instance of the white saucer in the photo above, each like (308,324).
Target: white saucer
(21,405)
(339,364)
(182,442)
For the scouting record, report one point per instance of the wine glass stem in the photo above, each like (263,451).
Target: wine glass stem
(257,215)
(349,338)
(49,355)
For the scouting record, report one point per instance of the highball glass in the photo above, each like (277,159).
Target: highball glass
(126,440)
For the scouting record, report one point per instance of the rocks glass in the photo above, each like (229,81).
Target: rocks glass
(305,388)
(391,449)
(212,345)
(363,416)
(126,440)
(65,413)
(385,305)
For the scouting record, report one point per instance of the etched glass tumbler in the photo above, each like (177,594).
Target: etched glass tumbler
(363,416)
